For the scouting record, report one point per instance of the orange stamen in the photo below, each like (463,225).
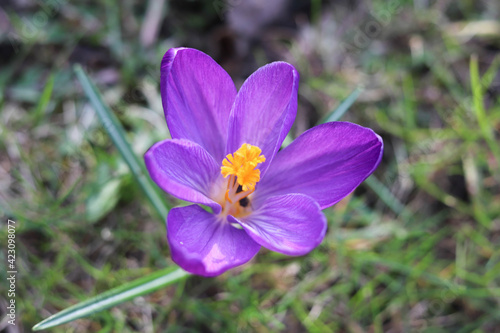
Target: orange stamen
(241,169)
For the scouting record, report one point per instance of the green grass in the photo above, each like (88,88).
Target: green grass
(414,249)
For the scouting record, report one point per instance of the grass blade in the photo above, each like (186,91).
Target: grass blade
(114,296)
(487,130)
(117,134)
(44,99)
(140,286)
(343,107)
(387,197)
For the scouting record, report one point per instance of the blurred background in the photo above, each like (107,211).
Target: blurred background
(414,249)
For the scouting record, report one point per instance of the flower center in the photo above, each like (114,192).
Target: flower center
(240,167)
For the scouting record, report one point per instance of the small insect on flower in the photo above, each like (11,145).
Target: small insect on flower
(224,154)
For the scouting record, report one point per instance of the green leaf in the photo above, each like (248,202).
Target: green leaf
(387,197)
(103,201)
(343,107)
(139,287)
(487,130)
(44,100)
(117,134)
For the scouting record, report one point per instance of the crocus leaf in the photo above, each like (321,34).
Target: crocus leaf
(140,286)
(128,291)
(117,134)
(336,114)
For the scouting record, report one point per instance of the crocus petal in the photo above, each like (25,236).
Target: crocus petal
(291,224)
(197,96)
(202,244)
(264,110)
(183,169)
(326,163)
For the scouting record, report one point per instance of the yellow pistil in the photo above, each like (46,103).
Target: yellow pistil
(242,164)
(240,167)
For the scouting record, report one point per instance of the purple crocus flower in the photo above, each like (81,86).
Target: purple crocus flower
(224,154)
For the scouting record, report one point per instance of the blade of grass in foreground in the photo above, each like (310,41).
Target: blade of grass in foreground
(343,107)
(117,134)
(139,287)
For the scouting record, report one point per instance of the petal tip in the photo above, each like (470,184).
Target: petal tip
(170,55)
